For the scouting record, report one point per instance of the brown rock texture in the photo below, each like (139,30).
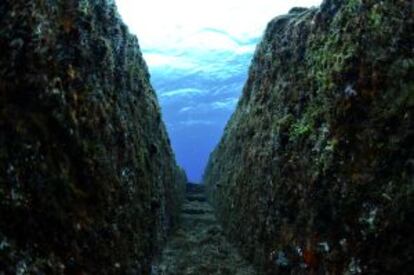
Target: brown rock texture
(88,180)
(315,171)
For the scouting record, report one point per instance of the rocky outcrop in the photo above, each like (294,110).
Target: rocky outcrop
(315,172)
(88,181)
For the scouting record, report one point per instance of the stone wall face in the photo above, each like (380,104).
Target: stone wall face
(315,171)
(88,180)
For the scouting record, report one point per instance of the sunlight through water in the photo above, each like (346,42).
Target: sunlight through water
(198,54)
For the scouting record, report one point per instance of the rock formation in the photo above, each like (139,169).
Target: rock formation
(88,181)
(198,245)
(315,171)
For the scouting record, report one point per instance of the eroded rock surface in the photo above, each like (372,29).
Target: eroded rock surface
(88,181)
(315,172)
(198,246)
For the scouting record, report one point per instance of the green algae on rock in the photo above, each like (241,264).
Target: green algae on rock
(315,171)
(88,180)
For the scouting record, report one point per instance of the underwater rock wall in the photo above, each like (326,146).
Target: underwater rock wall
(88,180)
(315,171)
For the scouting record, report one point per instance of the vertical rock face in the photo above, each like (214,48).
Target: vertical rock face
(88,181)
(315,172)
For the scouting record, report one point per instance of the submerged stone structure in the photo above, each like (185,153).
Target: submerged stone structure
(88,180)
(315,171)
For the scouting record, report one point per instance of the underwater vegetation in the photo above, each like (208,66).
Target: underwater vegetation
(198,246)
(88,180)
(315,171)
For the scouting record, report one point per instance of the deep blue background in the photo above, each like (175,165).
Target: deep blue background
(197,102)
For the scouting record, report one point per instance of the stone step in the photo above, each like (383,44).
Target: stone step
(195,188)
(196,211)
(196,197)
(190,221)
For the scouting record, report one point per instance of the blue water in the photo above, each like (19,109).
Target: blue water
(196,106)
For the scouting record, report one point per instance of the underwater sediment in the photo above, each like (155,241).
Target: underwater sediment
(315,171)
(88,180)
(198,245)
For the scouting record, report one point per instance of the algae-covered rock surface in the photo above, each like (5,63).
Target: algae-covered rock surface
(315,171)
(198,246)
(88,181)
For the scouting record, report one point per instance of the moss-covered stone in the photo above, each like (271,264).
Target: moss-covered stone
(198,246)
(314,174)
(88,181)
